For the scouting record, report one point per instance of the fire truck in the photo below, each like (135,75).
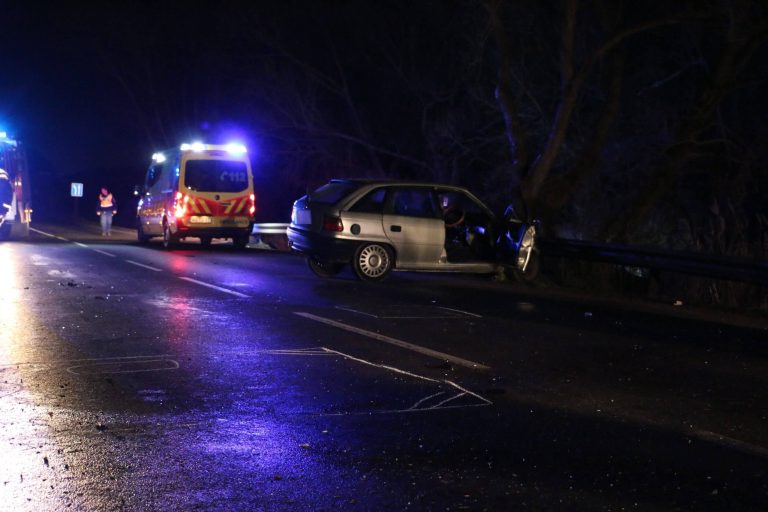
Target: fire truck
(15,210)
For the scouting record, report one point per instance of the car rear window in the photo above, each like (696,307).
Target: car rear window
(216,175)
(372,202)
(332,193)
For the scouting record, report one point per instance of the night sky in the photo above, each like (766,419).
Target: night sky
(668,124)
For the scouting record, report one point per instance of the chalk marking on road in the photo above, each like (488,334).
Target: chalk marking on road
(384,366)
(115,359)
(411,317)
(81,245)
(155,269)
(484,401)
(465,390)
(213,286)
(343,308)
(730,442)
(461,311)
(105,253)
(440,404)
(417,404)
(174,365)
(120,358)
(49,234)
(394,341)
(320,351)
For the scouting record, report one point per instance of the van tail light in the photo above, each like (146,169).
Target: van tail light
(332,224)
(180,204)
(252,203)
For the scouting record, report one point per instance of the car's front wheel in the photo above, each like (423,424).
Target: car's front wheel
(372,262)
(323,268)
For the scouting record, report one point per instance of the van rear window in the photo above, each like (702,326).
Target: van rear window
(216,176)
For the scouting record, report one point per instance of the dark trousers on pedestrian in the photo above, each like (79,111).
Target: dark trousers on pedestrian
(106,223)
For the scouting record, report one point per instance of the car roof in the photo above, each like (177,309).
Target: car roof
(396,183)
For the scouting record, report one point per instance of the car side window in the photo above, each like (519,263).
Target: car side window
(413,202)
(372,202)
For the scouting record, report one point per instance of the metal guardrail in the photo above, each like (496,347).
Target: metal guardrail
(730,268)
(269,228)
(719,267)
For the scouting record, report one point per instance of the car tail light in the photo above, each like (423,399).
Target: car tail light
(180,205)
(332,224)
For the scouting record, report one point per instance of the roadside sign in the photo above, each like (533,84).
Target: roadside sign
(76,190)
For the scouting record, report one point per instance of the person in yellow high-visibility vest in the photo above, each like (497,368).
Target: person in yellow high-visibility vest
(107,208)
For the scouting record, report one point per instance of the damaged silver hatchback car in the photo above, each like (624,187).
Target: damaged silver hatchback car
(380,226)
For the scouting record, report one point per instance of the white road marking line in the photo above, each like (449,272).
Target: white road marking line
(42,232)
(105,253)
(394,341)
(48,234)
(213,286)
(80,245)
(143,266)
(461,311)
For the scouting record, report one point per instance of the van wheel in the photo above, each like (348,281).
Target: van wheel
(240,241)
(372,262)
(322,268)
(205,241)
(141,236)
(169,239)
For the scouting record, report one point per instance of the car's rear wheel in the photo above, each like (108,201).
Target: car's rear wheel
(169,239)
(373,262)
(323,268)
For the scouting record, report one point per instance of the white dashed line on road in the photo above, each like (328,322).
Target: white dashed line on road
(154,269)
(49,234)
(105,253)
(394,341)
(213,286)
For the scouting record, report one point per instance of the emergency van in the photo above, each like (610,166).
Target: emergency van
(15,209)
(199,190)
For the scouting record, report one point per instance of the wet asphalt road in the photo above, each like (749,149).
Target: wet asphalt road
(137,379)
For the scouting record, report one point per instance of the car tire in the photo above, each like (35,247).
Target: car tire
(373,262)
(322,268)
(141,236)
(205,241)
(240,241)
(169,239)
